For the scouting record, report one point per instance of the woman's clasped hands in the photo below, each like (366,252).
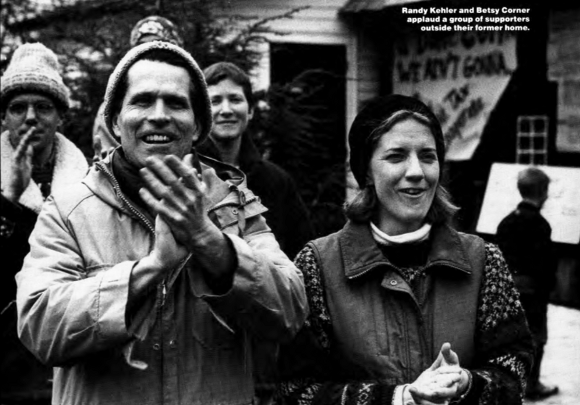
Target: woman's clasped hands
(441,383)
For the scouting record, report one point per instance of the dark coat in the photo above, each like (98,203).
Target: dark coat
(524,237)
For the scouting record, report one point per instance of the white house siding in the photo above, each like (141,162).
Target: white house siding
(320,23)
(564,67)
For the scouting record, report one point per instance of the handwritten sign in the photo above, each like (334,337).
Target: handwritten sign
(461,76)
(561,210)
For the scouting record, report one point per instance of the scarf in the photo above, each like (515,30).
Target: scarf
(129,179)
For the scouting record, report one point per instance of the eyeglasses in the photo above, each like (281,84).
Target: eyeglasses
(40,108)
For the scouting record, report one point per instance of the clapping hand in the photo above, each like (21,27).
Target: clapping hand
(20,170)
(177,193)
(443,381)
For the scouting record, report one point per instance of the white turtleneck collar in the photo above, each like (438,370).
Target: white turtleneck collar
(419,235)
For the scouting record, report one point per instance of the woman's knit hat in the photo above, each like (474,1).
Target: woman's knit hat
(372,116)
(113,97)
(157,27)
(34,68)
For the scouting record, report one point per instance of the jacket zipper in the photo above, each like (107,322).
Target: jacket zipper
(117,188)
(135,212)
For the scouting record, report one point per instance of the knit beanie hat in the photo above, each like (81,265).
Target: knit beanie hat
(158,27)
(34,68)
(372,116)
(113,97)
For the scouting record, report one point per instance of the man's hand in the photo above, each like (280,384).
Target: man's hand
(177,193)
(167,252)
(443,381)
(20,169)
(166,255)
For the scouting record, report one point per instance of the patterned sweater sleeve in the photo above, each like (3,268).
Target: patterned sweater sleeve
(310,378)
(504,344)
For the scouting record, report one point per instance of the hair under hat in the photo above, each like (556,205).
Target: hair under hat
(159,27)
(375,113)
(34,68)
(139,53)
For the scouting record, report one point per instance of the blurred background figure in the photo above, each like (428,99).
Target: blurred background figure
(152,28)
(36,161)
(524,237)
(232,105)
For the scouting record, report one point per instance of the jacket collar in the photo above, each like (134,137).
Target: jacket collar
(360,253)
(70,166)
(218,176)
(249,154)
(528,205)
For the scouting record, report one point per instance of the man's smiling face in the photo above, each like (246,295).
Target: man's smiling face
(156,115)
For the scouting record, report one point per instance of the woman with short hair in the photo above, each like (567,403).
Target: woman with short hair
(405,309)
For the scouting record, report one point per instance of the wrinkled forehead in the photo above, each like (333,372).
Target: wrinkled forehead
(149,75)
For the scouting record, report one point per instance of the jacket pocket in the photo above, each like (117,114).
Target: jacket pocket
(234,211)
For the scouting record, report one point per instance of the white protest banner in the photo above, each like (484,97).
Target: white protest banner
(461,76)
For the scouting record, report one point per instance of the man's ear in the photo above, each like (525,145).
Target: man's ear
(251,113)
(196,132)
(369,178)
(116,129)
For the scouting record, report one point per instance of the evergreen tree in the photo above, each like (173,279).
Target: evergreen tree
(92,35)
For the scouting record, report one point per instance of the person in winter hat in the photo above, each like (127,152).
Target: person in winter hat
(155,28)
(150,282)
(36,161)
(151,28)
(438,319)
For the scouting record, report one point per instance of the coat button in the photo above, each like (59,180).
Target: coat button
(156,346)
(393,282)
(234,211)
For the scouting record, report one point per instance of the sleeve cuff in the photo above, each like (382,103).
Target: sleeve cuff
(244,260)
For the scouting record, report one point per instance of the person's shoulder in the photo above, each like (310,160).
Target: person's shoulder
(273,170)
(67,200)
(70,154)
(328,242)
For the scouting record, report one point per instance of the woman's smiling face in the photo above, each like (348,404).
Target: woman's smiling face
(404,170)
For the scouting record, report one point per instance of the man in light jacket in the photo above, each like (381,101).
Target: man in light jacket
(148,281)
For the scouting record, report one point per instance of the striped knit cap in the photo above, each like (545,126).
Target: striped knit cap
(34,68)
(112,96)
(156,27)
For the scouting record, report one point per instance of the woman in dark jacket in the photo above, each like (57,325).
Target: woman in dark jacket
(404,309)
(232,105)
